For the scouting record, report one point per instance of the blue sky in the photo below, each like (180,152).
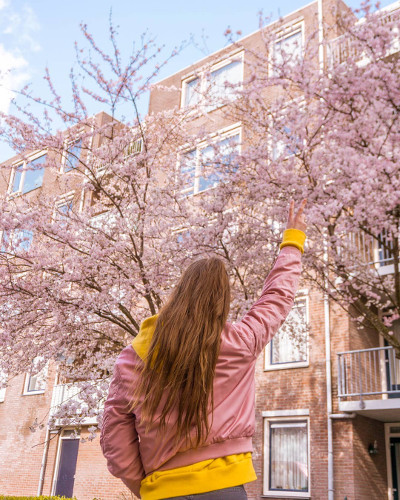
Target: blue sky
(40,33)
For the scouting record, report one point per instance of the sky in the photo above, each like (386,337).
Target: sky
(41,33)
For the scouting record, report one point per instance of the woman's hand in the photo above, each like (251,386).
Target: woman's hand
(297,221)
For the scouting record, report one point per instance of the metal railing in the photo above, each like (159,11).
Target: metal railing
(342,48)
(65,392)
(368,373)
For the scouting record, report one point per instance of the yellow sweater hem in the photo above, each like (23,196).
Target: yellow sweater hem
(201,477)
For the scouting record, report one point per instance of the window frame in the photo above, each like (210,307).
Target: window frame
(302,294)
(68,143)
(11,235)
(4,377)
(28,376)
(284,417)
(23,164)
(202,73)
(300,100)
(215,138)
(65,199)
(285,32)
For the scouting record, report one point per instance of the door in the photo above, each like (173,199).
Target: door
(395,459)
(67,467)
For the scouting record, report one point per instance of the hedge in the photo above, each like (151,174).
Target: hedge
(8,497)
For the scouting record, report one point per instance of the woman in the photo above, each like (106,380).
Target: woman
(179,417)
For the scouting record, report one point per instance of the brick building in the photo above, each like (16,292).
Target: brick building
(320,433)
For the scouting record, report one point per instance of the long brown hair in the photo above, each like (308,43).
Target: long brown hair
(184,350)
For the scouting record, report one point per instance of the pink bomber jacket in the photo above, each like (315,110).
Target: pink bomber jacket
(132,453)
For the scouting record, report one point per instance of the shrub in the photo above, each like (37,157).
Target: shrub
(12,497)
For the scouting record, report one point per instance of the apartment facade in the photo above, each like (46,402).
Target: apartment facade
(327,401)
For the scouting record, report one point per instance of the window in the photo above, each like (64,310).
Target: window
(385,248)
(35,380)
(63,211)
(192,92)
(205,166)
(72,158)
(28,176)
(3,380)
(224,81)
(286,463)
(16,241)
(134,148)
(215,86)
(289,347)
(288,48)
(280,148)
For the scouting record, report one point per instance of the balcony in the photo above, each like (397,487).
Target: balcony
(66,392)
(369,383)
(344,47)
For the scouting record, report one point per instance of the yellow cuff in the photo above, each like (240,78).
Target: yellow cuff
(294,238)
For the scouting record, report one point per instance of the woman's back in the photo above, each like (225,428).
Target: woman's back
(233,418)
(190,423)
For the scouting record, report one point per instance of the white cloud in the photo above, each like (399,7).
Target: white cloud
(13,74)
(19,29)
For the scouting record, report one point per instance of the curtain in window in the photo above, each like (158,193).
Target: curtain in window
(218,161)
(37,379)
(188,170)
(192,92)
(291,46)
(290,344)
(231,73)
(288,456)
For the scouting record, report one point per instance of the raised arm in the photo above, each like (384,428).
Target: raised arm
(265,317)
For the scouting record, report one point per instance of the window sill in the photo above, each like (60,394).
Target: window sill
(288,366)
(17,194)
(286,494)
(33,393)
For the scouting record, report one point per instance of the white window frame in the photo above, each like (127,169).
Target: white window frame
(27,380)
(302,295)
(219,136)
(134,148)
(284,416)
(12,236)
(301,103)
(64,199)
(3,378)
(202,73)
(285,32)
(68,143)
(23,163)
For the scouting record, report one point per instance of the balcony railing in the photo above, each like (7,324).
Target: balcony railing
(344,47)
(66,392)
(368,374)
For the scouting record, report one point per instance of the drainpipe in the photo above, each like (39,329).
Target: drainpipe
(320,38)
(44,461)
(326,303)
(329,395)
(45,452)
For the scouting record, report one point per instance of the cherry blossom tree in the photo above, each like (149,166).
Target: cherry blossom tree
(330,132)
(132,201)
(99,218)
